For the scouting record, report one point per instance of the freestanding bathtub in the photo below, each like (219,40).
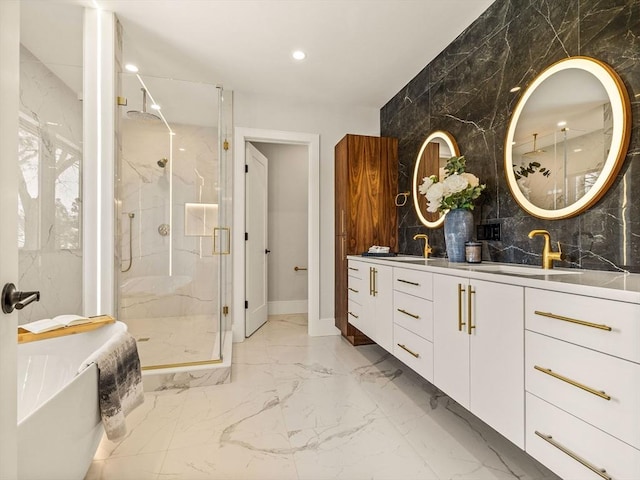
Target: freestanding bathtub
(59,426)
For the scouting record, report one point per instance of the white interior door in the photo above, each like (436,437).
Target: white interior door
(9,95)
(256,248)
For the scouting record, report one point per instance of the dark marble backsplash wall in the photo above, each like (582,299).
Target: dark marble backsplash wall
(465,91)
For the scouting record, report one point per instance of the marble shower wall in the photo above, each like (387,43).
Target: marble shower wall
(146,290)
(49,184)
(465,90)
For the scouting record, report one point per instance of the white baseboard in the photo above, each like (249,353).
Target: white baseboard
(288,307)
(323,327)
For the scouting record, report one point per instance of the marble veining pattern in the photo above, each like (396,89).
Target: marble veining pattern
(466,90)
(316,408)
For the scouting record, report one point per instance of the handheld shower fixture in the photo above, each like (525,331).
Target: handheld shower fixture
(163,162)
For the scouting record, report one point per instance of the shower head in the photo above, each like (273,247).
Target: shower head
(163,162)
(535,151)
(143,116)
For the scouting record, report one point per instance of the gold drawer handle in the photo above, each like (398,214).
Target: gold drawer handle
(573,320)
(407,313)
(599,471)
(354,315)
(353,290)
(410,283)
(460,322)
(548,371)
(417,355)
(354,269)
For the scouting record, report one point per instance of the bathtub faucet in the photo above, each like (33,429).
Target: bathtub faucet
(13,298)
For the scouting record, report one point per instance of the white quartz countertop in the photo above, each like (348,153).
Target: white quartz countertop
(619,286)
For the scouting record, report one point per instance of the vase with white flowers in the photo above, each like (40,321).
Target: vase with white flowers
(453,196)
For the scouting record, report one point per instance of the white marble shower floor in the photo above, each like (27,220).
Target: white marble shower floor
(171,340)
(315,408)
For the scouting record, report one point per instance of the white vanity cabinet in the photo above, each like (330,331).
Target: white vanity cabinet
(370,301)
(582,377)
(479,349)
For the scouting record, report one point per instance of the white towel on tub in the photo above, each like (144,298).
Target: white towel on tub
(119,382)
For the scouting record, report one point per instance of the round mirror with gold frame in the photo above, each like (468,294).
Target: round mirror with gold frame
(436,150)
(567,138)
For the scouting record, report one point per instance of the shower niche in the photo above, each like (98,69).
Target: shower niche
(174,279)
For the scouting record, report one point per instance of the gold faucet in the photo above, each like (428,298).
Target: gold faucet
(548,256)
(427,247)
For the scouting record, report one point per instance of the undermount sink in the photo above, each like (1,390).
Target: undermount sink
(521,270)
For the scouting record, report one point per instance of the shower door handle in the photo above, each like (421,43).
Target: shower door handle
(15,299)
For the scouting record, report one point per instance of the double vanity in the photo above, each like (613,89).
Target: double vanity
(548,358)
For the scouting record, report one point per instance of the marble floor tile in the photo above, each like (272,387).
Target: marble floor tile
(306,408)
(370,449)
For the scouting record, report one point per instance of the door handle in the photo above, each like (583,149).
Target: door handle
(15,299)
(266,250)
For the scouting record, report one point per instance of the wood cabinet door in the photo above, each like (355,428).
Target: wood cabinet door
(450,338)
(497,357)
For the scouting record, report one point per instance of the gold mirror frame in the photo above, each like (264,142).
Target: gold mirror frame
(448,139)
(620,134)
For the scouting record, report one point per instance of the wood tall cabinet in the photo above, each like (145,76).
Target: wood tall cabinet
(366,182)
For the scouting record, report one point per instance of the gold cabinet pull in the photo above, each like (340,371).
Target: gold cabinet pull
(370,280)
(353,315)
(573,320)
(460,322)
(375,281)
(354,269)
(353,290)
(407,313)
(598,471)
(470,325)
(416,355)
(548,371)
(410,283)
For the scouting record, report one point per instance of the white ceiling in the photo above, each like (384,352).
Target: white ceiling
(359,52)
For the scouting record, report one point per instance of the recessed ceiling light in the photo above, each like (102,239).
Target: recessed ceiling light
(515,89)
(577,150)
(181,149)
(155,106)
(562,123)
(299,55)
(130,67)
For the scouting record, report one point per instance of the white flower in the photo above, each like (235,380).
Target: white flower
(425,185)
(455,183)
(435,193)
(433,206)
(471,179)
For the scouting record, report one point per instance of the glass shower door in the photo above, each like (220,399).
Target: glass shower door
(172,239)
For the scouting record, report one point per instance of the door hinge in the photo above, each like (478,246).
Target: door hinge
(122,101)
(246,304)
(246,169)
(225,145)
(225,310)
(246,236)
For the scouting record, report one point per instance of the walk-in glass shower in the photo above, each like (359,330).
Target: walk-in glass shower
(173,214)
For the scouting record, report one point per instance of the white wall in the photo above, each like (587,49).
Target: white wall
(331,122)
(287,226)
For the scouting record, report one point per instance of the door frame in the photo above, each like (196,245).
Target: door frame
(243,135)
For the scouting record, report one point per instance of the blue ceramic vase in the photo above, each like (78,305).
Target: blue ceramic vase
(458,229)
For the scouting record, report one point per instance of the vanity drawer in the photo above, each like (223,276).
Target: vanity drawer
(356,288)
(354,315)
(570,434)
(580,369)
(414,351)
(555,314)
(358,269)
(413,282)
(413,313)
